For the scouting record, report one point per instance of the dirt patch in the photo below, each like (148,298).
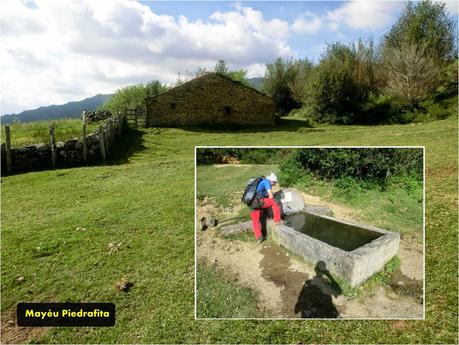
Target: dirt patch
(384,303)
(403,285)
(231,165)
(13,334)
(290,288)
(411,262)
(339,211)
(241,259)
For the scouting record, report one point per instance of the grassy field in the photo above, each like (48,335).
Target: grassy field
(145,199)
(28,133)
(398,208)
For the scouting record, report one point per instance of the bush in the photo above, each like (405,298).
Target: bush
(243,155)
(379,109)
(341,83)
(285,81)
(367,165)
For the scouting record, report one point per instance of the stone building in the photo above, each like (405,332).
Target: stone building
(212,99)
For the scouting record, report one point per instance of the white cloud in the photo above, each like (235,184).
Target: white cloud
(57,51)
(307,23)
(365,15)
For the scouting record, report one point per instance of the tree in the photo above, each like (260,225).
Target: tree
(279,80)
(133,95)
(412,73)
(302,69)
(221,67)
(239,75)
(425,24)
(342,82)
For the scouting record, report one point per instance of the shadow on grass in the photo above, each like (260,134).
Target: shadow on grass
(131,142)
(282,125)
(125,147)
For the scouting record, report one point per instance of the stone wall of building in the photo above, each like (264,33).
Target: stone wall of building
(210,100)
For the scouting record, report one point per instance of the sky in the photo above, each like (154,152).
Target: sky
(54,52)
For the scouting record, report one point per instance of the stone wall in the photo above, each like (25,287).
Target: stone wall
(67,153)
(210,100)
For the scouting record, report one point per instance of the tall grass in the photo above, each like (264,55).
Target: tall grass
(29,133)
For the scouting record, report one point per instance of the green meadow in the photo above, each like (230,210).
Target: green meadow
(28,133)
(57,226)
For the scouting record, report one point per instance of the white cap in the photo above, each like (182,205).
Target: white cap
(272,177)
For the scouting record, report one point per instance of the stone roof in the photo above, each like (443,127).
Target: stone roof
(213,74)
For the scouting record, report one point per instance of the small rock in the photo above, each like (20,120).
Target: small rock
(20,279)
(124,285)
(80,228)
(113,247)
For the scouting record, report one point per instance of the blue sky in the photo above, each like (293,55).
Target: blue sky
(60,51)
(310,46)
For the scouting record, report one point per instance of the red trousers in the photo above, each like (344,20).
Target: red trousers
(255,215)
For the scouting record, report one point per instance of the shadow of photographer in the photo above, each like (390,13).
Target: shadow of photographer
(315,299)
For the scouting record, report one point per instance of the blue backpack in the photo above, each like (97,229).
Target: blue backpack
(250,192)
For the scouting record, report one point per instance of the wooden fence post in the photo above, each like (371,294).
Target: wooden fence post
(112,130)
(85,147)
(106,141)
(120,124)
(102,142)
(53,146)
(8,148)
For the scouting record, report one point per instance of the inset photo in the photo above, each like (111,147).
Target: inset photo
(309,233)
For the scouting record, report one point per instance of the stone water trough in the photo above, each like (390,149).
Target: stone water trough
(351,251)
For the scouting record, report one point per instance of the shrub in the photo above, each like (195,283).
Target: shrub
(341,83)
(284,82)
(378,109)
(345,166)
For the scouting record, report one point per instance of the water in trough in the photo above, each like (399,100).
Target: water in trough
(337,234)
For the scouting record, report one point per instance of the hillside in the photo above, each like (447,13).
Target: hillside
(57,227)
(53,112)
(256,83)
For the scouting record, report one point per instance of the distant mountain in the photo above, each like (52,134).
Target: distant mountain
(256,83)
(74,109)
(54,112)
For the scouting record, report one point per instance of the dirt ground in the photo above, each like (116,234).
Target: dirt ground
(290,288)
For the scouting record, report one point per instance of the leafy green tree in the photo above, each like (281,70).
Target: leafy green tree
(342,82)
(279,79)
(425,24)
(221,67)
(133,95)
(239,75)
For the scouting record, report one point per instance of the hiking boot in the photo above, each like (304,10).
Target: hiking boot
(260,239)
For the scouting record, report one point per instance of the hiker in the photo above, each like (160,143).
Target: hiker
(266,200)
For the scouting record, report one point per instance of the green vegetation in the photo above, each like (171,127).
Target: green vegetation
(219,297)
(285,81)
(133,96)
(364,165)
(401,80)
(148,204)
(239,75)
(23,134)
(243,155)
(227,187)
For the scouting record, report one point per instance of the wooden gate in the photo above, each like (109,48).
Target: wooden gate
(136,117)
